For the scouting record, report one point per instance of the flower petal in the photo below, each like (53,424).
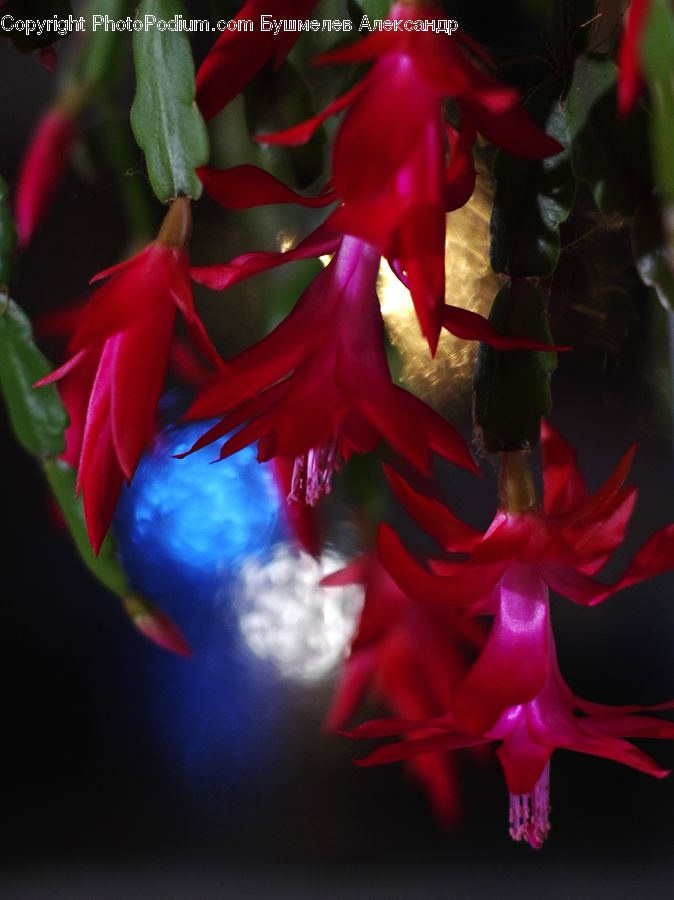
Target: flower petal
(220,277)
(245,187)
(564,485)
(514,662)
(434,517)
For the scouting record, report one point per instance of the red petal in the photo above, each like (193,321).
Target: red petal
(471,585)
(392,726)
(513,130)
(300,134)
(460,175)
(564,485)
(237,56)
(611,748)
(156,625)
(245,187)
(218,278)
(140,366)
(358,671)
(355,572)
(629,55)
(434,517)
(514,662)
(437,743)
(41,171)
(471,326)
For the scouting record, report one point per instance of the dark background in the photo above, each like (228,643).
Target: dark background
(95,806)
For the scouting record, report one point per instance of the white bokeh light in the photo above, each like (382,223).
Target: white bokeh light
(286,617)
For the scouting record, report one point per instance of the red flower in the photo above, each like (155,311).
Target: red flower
(318,388)
(112,383)
(42,169)
(629,56)
(389,158)
(409,656)
(326,388)
(528,734)
(510,567)
(237,56)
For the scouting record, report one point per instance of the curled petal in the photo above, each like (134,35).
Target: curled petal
(245,187)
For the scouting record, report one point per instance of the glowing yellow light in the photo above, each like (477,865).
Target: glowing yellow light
(470,283)
(285,241)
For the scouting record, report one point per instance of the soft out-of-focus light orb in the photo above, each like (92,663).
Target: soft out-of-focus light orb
(187,513)
(470,283)
(183,529)
(286,617)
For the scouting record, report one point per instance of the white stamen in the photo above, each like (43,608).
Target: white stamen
(312,472)
(530,813)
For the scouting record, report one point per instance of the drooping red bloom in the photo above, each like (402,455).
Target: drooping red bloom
(389,162)
(509,569)
(119,354)
(42,169)
(409,657)
(528,734)
(238,54)
(245,187)
(318,388)
(630,81)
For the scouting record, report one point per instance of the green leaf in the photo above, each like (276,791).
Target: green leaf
(36,414)
(512,389)
(7,237)
(651,255)
(373,9)
(611,154)
(164,117)
(658,61)
(532,198)
(105,566)
(277,99)
(103,45)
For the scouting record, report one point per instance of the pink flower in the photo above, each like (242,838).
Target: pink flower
(629,55)
(42,169)
(318,388)
(119,354)
(409,657)
(389,159)
(244,187)
(509,569)
(528,733)
(237,56)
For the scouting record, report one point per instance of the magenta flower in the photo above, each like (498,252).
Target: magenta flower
(528,734)
(119,355)
(409,657)
(42,169)
(389,164)
(509,569)
(327,357)
(238,55)
(318,388)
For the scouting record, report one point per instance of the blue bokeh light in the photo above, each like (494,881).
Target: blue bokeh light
(184,528)
(193,518)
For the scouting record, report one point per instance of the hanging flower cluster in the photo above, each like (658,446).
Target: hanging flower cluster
(460,648)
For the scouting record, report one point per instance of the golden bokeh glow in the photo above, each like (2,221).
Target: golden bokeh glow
(470,283)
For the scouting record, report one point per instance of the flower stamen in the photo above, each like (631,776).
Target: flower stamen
(313,471)
(530,813)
